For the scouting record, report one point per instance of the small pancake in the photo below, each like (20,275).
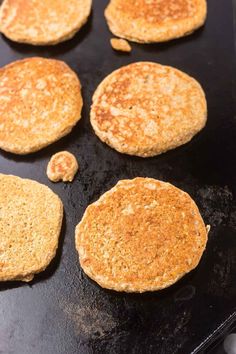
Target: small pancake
(145,109)
(142,235)
(43,22)
(40,102)
(30,224)
(62,166)
(148,21)
(120,45)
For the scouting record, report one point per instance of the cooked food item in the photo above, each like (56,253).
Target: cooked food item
(120,45)
(142,235)
(44,22)
(148,21)
(40,102)
(145,109)
(62,166)
(30,224)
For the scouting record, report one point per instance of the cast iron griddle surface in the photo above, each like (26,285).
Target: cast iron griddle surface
(62,311)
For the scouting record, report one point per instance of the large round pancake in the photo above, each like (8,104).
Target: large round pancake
(43,22)
(30,224)
(142,235)
(40,102)
(148,21)
(145,109)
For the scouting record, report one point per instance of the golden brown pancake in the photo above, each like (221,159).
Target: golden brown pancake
(40,102)
(142,235)
(145,109)
(62,166)
(30,224)
(43,22)
(148,21)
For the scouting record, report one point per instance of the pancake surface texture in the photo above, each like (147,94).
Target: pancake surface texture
(142,235)
(148,21)
(43,22)
(145,109)
(62,166)
(40,102)
(30,224)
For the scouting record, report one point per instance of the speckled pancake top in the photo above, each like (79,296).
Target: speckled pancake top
(155,20)
(30,224)
(40,102)
(157,11)
(145,109)
(142,235)
(43,22)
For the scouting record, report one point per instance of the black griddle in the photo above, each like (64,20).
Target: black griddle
(64,312)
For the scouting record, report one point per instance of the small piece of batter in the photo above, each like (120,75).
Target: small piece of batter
(62,166)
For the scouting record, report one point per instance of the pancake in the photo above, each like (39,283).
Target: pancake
(62,166)
(30,224)
(148,21)
(145,109)
(120,45)
(43,22)
(142,235)
(40,102)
